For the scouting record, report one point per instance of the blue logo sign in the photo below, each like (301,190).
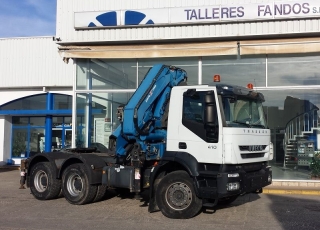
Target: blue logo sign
(130,18)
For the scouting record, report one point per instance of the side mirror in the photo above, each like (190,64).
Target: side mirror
(210,108)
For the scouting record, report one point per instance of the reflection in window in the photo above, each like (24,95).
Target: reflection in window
(20,121)
(293,70)
(190,65)
(39,102)
(103,116)
(37,121)
(235,71)
(27,134)
(106,74)
(62,101)
(293,117)
(193,110)
(243,112)
(36,102)
(19,142)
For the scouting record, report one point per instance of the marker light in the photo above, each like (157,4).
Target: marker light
(216,78)
(250,86)
(233,175)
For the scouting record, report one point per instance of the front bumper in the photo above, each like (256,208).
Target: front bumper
(248,181)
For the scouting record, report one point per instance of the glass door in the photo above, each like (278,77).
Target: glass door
(61,133)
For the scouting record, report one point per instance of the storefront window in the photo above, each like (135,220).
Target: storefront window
(27,135)
(293,70)
(190,65)
(292,114)
(61,128)
(62,101)
(19,142)
(28,132)
(20,121)
(37,102)
(106,74)
(235,71)
(100,116)
(293,117)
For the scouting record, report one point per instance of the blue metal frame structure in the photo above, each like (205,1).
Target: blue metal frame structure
(48,113)
(28,128)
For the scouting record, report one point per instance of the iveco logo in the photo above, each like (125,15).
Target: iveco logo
(255,147)
(254,131)
(212,147)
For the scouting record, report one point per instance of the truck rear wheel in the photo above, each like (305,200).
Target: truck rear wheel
(43,182)
(176,197)
(75,185)
(101,192)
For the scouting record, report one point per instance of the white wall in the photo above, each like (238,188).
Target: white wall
(5,139)
(32,62)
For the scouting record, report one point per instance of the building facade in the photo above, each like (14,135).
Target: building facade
(274,45)
(35,98)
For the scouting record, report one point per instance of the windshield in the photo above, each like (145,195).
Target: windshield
(243,112)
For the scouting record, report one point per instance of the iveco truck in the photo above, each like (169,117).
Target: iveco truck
(188,147)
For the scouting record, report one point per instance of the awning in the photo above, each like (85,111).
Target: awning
(280,46)
(150,51)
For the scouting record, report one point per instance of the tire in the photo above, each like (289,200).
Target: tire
(175,196)
(227,200)
(101,192)
(43,182)
(76,187)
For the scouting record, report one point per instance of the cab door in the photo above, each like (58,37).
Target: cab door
(199,127)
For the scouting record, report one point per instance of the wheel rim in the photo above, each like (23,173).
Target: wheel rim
(74,185)
(179,196)
(41,181)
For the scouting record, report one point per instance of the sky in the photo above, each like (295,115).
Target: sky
(27,18)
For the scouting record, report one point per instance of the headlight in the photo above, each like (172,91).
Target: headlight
(271,151)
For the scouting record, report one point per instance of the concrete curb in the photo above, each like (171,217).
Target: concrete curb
(291,191)
(302,187)
(9,167)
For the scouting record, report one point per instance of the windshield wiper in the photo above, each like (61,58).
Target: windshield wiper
(242,123)
(258,125)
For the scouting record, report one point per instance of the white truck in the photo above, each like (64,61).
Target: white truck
(188,146)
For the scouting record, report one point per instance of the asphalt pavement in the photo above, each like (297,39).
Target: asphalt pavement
(20,210)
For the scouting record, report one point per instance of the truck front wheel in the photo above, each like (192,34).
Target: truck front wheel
(43,182)
(75,185)
(175,196)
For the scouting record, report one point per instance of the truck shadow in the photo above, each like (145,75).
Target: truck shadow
(295,211)
(241,200)
(144,199)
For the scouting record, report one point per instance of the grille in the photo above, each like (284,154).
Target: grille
(252,167)
(251,155)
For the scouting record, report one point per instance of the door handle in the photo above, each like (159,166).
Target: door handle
(182,145)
